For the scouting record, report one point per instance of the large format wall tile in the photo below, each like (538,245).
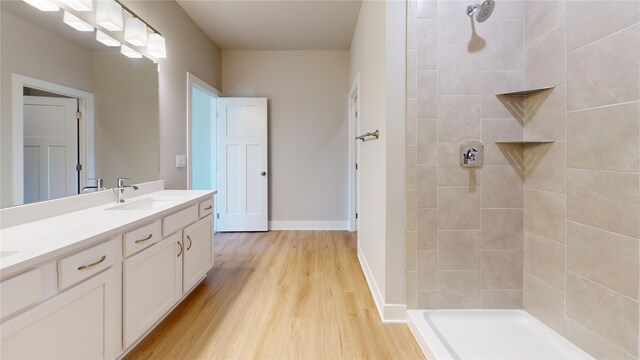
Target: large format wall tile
(613,316)
(459,250)
(427,224)
(427,9)
(603,199)
(427,186)
(502,229)
(426,44)
(542,16)
(427,270)
(412,117)
(411,250)
(459,289)
(427,299)
(501,299)
(499,130)
(546,115)
(606,258)
(545,259)
(593,344)
(501,269)
(459,208)
(458,117)
(545,60)
(544,302)
(427,141)
(450,173)
(545,167)
(499,82)
(545,214)
(427,93)
(588,21)
(458,70)
(604,138)
(503,45)
(605,72)
(501,187)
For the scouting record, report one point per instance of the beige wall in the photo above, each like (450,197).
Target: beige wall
(67,64)
(582,219)
(464,227)
(307,93)
(188,49)
(126,118)
(377,60)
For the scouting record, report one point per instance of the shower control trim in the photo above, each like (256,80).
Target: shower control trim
(471,154)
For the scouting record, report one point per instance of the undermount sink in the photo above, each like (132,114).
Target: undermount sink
(6,253)
(144,204)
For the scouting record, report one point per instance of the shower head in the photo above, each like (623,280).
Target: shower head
(481,11)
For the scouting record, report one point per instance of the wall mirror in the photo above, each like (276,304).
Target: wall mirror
(72,109)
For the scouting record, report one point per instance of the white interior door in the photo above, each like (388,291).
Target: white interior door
(242,174)
(50,148)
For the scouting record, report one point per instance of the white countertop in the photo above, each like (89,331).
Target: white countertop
(39,241)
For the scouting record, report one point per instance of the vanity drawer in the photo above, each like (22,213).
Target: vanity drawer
(86,263)
(28,288)
(142,237)
(177,221)
(206,208)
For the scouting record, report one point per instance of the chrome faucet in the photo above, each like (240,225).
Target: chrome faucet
(469,155)
(122,184)
(99,185)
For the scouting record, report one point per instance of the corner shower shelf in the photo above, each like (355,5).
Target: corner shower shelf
(526,92)
(525,142)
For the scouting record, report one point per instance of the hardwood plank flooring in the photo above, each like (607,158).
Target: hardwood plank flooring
(280,295)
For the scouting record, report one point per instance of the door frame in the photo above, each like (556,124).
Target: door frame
(354,92)
(192,81)
(85,130)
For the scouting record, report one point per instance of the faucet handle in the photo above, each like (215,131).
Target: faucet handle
(99,183)
(122,182)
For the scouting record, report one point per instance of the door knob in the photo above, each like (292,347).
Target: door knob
(264,173)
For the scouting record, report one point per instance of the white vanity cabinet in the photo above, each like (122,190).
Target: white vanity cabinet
(152,285)
(198,251)
(78,323)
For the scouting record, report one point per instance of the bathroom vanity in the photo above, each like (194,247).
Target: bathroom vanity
(90,283)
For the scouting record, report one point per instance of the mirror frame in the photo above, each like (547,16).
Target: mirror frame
(86,146)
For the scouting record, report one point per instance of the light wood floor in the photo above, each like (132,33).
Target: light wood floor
(280,295)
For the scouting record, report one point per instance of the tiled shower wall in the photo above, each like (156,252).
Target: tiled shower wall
(574,249)
(464,227)
(582,219)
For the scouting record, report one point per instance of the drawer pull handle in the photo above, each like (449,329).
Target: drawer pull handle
(180,245)
(144,239)
(190,243)
(85,267)
(209,207)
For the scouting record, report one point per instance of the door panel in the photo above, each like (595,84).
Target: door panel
(50,148)
(198,251)
(243,185)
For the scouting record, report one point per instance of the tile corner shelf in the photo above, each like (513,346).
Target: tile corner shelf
(525,142)
(526,92)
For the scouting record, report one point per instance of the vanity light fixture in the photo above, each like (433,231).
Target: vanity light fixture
(79,5)
(156,46)
(135,32)
(129,52)
(106,39)
(75,22)
(43,5)
(109,15)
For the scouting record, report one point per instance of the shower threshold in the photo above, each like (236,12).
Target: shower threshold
(488,334)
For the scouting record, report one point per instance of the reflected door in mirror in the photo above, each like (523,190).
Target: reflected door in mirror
(50,148)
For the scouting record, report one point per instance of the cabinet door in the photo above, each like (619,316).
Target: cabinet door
(76,324)
(152,285)
(198,251)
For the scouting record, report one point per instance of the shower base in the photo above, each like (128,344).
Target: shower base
(487,334)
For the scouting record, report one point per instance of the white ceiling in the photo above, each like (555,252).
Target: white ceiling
(276,24)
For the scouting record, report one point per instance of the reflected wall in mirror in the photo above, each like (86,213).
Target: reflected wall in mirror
(73,109)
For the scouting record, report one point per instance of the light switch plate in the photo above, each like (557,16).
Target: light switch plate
(181,161)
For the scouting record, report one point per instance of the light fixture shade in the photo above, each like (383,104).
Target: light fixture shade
(156,46)
(135,32)
(106,39)
(129,52)
(75,22)
(109,15)
(43,5)
(79,5)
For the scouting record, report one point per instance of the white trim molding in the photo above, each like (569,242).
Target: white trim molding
(389,313)
(308,225)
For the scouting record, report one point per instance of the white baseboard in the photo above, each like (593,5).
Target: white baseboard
(308,225)
(389,313)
